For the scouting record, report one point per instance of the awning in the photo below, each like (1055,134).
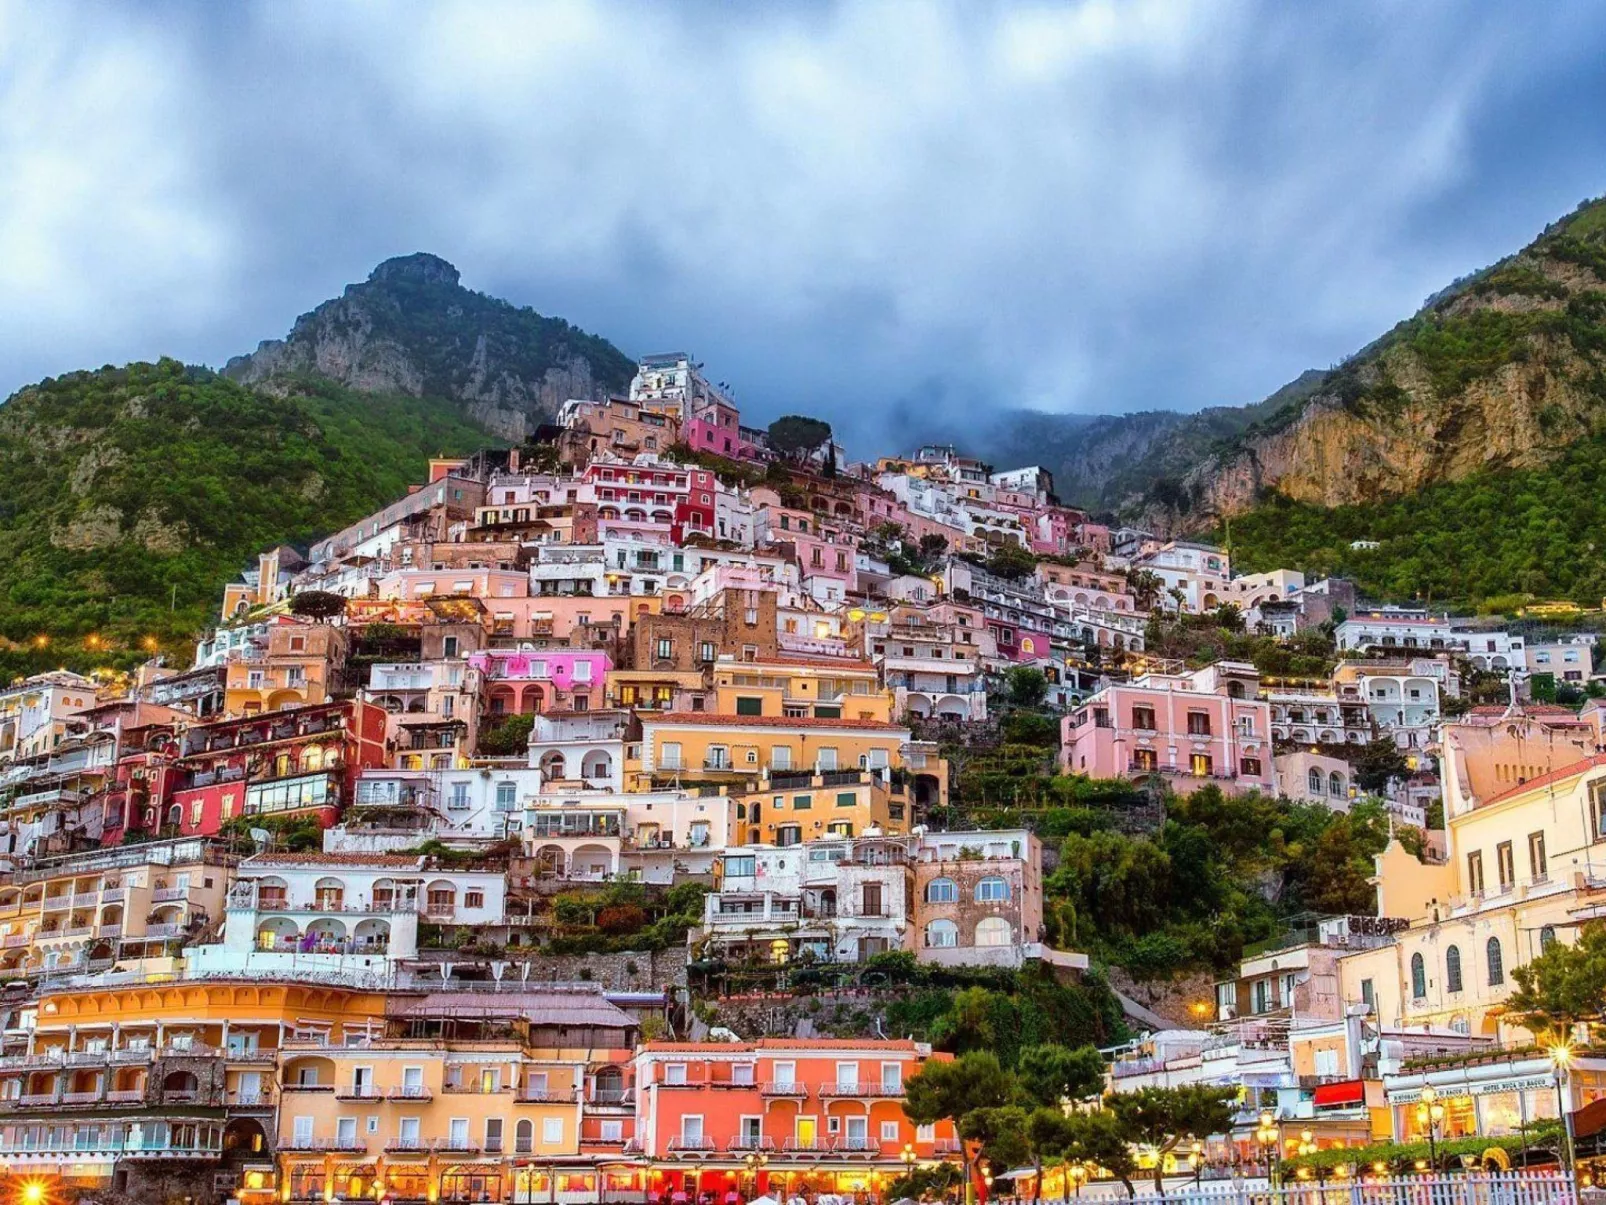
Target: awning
(1334,1096)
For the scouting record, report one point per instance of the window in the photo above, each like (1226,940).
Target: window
(459,796)
(493,1134)
(1143,717)
(746,705)
(1368,994)
(1314,782)
(991,890)
(1198,723)
(718,757)
(1419,978)
(524,1137)
(675,1073)
(871,900)
(670,758)
(473,898)
(1475,872)
(1249,767)
(826,760)
(457,1134)
(1506,862)
(1547,938)
(1335,785)
(666,649)
(889,1131)
(1200,765)
(506,793)
(781,757)
(1497,962)
(1145,759)
(847,799)
(707,651)
(942,934)
(551,1130)
(994,931)
(1536,857)
(1452,969)
(613,1131)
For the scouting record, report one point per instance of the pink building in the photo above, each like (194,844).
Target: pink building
(717,428)
(537,680)
(1206,726)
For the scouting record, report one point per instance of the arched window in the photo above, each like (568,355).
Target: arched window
(312,758)
(942,934)
(1314,778)
(991,891)
(552,765)
(1497,963)
(1419,977)
(524,1137)
(942,891)
(994,931)
(1452,969)
(1335,785)
(1547,938)
(329,893)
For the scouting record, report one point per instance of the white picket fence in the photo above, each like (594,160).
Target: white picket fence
(1473,1188)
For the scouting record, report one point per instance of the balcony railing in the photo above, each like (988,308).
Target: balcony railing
(409,1092)
(862,1090)
(750,1142)
(691,1142)
(774,1088)
(806,1146)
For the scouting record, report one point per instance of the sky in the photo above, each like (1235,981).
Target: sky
(854,210)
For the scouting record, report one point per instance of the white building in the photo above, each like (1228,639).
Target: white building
(580,749)
(342,913)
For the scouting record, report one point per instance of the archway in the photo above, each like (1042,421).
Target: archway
(244,1136)
(597,764)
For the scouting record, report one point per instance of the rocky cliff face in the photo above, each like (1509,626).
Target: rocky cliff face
(1503,370)
(412,329)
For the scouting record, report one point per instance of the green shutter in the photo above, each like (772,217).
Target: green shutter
(826,712)
(847,799)
(801,803)
(749,706)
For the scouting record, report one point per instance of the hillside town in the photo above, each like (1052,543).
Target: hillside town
(489,846)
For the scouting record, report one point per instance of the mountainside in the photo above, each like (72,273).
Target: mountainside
(128,496)
(1106,461)
(1504,369)
(412,329)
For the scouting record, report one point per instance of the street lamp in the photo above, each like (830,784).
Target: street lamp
(1561,1059)
(1077,1173)
(754,1160)
(1267,1136)
(1429,1113)
(1196,1161)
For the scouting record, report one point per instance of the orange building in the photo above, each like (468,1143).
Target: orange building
(780,1116)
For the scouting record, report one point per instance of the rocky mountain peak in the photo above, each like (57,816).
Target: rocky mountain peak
(420,267)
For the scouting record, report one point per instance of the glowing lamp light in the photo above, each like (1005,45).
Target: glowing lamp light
(33,1192)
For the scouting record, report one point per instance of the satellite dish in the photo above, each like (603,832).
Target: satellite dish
(262,837)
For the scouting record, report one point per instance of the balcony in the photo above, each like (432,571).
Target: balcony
(690,1144)
(863,1091)
(251,1100)
(545,1096)
(783,1089)
(164,894)
(853,1145)
(323,1144)
(363,1092)
(750,1142)
(416,1092)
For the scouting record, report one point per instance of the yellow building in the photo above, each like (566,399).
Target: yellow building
(791,809)
(105,1083)
(299,666)
(459,1096)
(133,905)
(813,687)
(732,747)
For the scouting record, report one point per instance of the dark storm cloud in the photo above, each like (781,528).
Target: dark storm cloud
(863,211)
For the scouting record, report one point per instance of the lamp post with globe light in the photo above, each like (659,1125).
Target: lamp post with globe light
(1561,1060)
(1267,1136)
(1429,1113)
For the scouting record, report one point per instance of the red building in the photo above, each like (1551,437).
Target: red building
(779,1116)
(300,761)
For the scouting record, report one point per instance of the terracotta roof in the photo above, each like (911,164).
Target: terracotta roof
(823,662)
(320,859)
(778,1044)
(709,720)
(542,1007)
(1566,772)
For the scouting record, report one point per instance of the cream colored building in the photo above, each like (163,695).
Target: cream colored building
(1525,866)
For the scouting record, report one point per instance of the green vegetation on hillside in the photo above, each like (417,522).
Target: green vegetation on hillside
(1531,531)
(129,496)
